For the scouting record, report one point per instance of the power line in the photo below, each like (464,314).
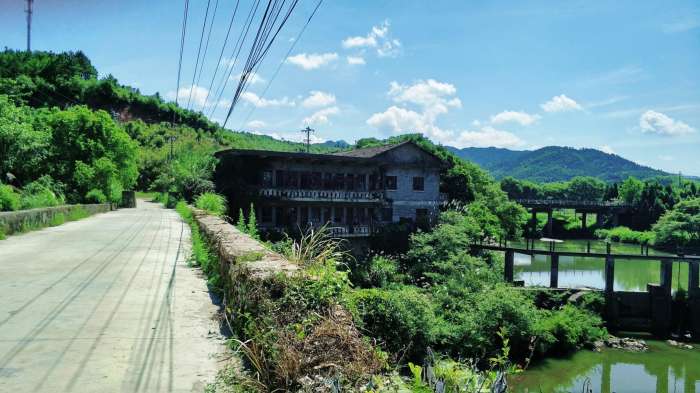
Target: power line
(261,44)
(199,49)
(284,60)
(179,65)
(221,55)
(206,46)
(233,60)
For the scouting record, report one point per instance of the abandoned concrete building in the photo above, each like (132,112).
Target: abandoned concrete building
(353,192)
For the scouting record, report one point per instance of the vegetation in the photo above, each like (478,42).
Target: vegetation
(556,164)
(202,255)
(680,227)
(626,235)
(212,203)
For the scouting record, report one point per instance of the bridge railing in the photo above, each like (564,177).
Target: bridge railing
(570,202)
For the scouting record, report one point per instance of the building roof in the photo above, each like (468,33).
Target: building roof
(369,152)
(356,155)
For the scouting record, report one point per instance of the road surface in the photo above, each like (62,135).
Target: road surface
(106,304)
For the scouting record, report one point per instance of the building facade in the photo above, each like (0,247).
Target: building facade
(353,192)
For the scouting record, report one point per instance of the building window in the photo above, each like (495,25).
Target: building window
(418,183)
(267,179)
(391,183)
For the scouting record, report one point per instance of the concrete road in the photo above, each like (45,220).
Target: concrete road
(106,304)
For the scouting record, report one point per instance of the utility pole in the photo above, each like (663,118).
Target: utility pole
(29,24)
(308,132)
(172,139)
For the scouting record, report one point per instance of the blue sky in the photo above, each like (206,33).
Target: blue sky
(621,76)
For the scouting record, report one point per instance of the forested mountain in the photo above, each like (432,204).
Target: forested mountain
(556,163)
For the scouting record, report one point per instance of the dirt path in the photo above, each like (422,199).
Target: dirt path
(106,304)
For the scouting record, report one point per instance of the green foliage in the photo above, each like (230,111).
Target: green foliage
(252,228)
(679,227)
(95,196)
(403,317)
(9,199)
(3,236)
(569,329)
(77,213)
(626,235)
(57,219)
(630,190)
(42,192)
(212,203)
(577,189)
(202,254)
(240,224)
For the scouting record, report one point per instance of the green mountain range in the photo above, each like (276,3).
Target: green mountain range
(555,163)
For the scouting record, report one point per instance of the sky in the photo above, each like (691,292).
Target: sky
(620,76)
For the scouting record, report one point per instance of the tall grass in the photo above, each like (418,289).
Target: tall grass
(202,254)
(316,246)
(212,203)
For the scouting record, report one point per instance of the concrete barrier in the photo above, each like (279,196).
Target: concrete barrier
(16,221)
(232,245)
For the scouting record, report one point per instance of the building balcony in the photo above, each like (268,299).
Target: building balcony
(321,195)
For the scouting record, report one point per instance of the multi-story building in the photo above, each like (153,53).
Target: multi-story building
(353,192)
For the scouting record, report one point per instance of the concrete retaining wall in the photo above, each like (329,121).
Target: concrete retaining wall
(231,245)
(12,222)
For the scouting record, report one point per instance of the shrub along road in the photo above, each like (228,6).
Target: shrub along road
(106,304)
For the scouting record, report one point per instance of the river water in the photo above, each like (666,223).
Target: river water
(662,369)
(630,275)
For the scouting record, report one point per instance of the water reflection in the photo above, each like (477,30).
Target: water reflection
(576,272)
(662,369)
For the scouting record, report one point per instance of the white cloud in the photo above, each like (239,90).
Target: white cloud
(521,118)
(606,149)
(318,99)
(561,103)
(256,124)
(312,61)
(253,78)
(199,94)
(378,38)
(666,158)
(260,102)
(485,137)
(356,60)
(433,96)
(321,117)
(653,122)
(688,22)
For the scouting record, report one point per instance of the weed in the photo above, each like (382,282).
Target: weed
(316,246)
(57,219)
(250,257)
(202,255)
(212,203)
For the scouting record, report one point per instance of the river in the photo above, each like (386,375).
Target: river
(630,275)
(662,369)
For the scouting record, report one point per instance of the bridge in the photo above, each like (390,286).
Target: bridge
(600,208)
(628,311)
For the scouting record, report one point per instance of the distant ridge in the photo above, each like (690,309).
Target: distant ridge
(555,163)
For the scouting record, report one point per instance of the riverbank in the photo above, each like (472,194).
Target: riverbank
(663,368)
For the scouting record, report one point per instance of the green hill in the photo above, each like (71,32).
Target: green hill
(556,163)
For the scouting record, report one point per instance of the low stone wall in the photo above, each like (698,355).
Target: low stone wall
(12,222)
(231,245)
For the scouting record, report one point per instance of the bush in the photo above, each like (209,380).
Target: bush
(569,329)
(212,203)
(95,196)
(43,192)
(626,235)
(402,317)
(9,199)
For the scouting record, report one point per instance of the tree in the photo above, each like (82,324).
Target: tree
(585,189)
(679,227)
(631,190)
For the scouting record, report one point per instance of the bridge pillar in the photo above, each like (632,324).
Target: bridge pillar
(554,271)
(611,304)
(599,219)
(583,220)
(508,268)
(609,274)
(694,298)
(549,222)
(660,296)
